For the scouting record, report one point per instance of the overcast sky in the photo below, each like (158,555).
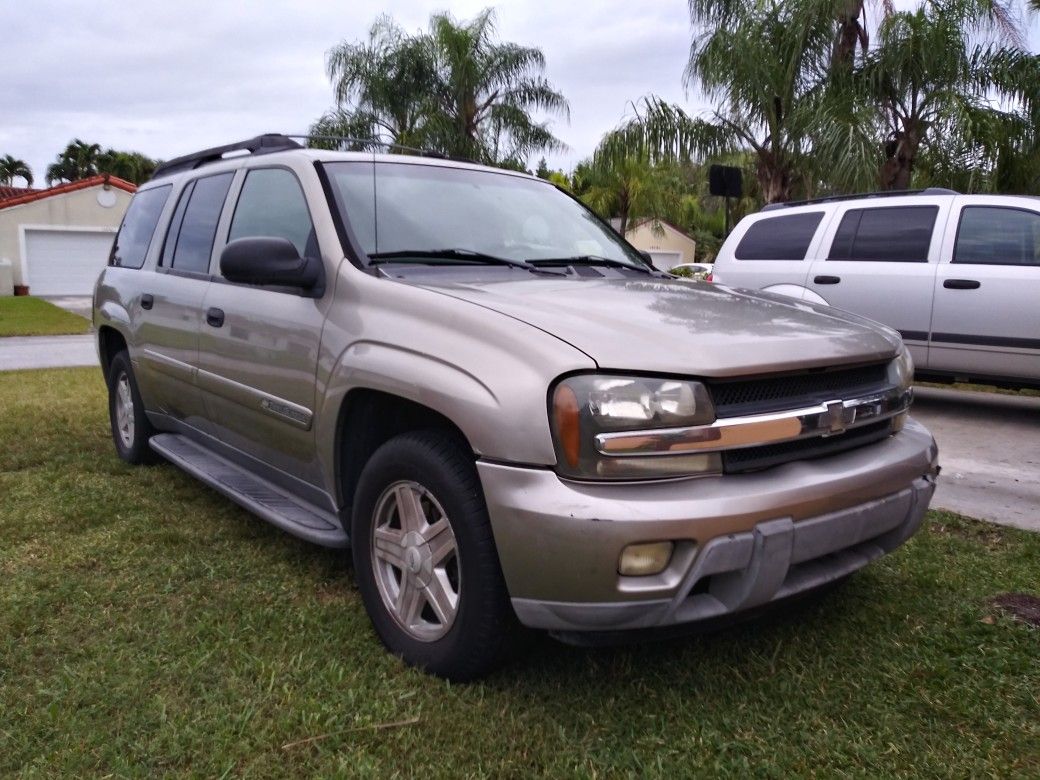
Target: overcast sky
(170,78)
(174,77)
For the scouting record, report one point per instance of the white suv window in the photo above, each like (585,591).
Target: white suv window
(897,234)
(779,238)
(994,235)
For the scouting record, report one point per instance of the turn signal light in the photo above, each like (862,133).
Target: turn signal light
(568,427)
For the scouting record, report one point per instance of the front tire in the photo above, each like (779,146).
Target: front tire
(425,558)
(130,427)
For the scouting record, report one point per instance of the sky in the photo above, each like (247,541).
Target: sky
(170,78)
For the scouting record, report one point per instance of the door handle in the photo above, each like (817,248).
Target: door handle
(962,284)
(826,280)
(215,317)
(147,300)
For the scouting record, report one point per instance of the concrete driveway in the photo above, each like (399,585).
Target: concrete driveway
(78,304)
(18,352)
(989,450)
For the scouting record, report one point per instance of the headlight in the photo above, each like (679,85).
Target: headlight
(586,405)
(901,374)
(901,370)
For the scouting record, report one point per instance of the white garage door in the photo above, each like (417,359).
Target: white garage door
(665,260)
(65,262)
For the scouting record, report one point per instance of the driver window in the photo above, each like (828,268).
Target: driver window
(272,204)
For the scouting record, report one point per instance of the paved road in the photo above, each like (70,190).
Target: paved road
(47,352)
(989,450)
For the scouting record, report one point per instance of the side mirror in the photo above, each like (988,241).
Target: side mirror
(270,260)
(647,258)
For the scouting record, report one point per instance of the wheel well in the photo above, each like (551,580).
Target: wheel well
(110,344)
(370,418)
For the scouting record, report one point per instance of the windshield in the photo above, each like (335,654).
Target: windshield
(397,208)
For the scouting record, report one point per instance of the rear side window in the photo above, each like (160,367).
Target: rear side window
(993,235)
(272,204)
(900,234)
(135,234)
(189,242)
(779,238)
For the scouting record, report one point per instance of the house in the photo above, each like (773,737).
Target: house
(56,241)
(668,245)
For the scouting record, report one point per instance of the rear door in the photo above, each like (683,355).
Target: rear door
(258,348)
(987,292)
(170,304)
(770,252)
(880,262)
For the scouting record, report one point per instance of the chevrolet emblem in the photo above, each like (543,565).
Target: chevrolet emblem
(835,419)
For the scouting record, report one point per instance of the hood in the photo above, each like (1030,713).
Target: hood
(678,327)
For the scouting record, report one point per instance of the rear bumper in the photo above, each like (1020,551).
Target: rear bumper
(740,541)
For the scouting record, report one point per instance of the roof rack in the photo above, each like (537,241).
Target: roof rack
(348,141)
(885,194)
(262,144)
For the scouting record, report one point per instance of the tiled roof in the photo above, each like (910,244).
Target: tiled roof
(14,192)
(62,189)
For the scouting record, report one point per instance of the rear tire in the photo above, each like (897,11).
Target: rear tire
(130,427)
(425,559)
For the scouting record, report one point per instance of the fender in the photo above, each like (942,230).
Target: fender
(113,316)
(116,316)
(485,372)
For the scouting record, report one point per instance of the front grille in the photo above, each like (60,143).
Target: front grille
(737,397)
(757,458)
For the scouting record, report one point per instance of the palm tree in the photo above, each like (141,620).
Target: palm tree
(133,167)
(454,89)
(487,91)
(79,160)
(935,84)
(12,168)
(383,88)
(765,66)
(625,188)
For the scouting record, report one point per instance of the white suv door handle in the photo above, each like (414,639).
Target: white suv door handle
(962,284)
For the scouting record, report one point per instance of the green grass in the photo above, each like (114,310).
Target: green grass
(148,626)
(28,316)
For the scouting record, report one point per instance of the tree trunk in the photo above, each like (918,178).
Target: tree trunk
(624,207)
(900,153)
(774,179)
(849,35)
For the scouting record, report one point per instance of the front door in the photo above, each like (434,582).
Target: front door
(258,346)
(881,265)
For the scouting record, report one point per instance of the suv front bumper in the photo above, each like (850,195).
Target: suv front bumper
(740,540)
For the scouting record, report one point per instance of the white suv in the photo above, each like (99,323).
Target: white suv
(957,275)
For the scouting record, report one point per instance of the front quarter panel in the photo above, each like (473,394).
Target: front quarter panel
(486,372)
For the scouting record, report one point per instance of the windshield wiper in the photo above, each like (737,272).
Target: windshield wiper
(465,255)
(590,260)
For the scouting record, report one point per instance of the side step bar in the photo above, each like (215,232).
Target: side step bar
(260,497)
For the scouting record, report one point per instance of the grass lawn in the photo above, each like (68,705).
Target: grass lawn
(148,626)
(28,316)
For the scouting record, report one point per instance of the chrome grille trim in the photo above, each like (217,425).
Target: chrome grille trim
(826,419)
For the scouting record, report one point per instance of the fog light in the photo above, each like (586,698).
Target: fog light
(639,560)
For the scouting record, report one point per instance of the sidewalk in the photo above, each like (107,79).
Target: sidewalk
(47,352)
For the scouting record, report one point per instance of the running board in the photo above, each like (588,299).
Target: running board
(260,497)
